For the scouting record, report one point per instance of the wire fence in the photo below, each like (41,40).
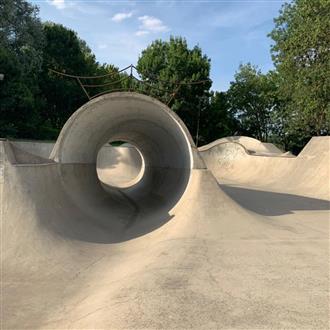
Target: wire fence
(129,79)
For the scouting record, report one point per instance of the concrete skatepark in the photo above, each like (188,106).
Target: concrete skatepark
(159,234)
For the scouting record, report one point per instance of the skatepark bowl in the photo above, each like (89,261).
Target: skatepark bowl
(122,223)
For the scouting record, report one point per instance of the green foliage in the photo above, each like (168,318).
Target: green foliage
(286,106)
(66,52)
(35,102)
(252,98)
(166,63)
(21,41)
(302,58)
(216,120)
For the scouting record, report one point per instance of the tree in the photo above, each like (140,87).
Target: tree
(66,52)
(301,55)
(164,64)
(35,102)
(252,98)
(21,43)
(216,120)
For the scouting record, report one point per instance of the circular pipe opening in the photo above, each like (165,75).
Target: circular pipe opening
(119,165)
(119,209)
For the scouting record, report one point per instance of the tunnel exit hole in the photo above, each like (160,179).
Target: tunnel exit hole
(119,164)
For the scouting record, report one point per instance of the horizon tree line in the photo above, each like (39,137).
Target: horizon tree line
(286,106)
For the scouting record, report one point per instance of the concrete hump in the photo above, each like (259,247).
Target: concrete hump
(252,145)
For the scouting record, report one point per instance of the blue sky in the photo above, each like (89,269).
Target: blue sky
(229,32)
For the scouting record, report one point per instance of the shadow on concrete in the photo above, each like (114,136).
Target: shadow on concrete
(272,203)
(78,207)
(108,157)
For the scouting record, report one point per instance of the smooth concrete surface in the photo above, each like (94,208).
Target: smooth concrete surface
(120,166)
(252,146)
(207,252)
(169,153)
(307,174)
(29,153)
(38,148)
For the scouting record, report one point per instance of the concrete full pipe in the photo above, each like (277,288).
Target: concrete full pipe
(167,149)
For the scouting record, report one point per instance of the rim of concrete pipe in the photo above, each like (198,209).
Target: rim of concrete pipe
(165,143)
(130,117)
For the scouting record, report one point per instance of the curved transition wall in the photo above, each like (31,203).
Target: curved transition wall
(216,264)
(164,142)
(138,119)
(306,175)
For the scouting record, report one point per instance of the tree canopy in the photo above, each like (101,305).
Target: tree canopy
(65,52)
(251,100)
(165,64)
(216,120)
(301,54)
(286,106)
(35,102)
(21,42)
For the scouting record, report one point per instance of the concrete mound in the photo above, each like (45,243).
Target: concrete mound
(252,146)
(173,247)
(308,174)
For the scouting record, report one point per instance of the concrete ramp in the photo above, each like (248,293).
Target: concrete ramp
(169,250)
(307,174)
(252,146)
(38,148)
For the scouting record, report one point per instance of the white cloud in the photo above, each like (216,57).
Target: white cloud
(123,47)
(59,4)
(141,33)
(121,16)
(152,24)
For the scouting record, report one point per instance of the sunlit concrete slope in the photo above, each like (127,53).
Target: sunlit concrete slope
(252,146)
(120,166)
(170,251)
(307,174)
